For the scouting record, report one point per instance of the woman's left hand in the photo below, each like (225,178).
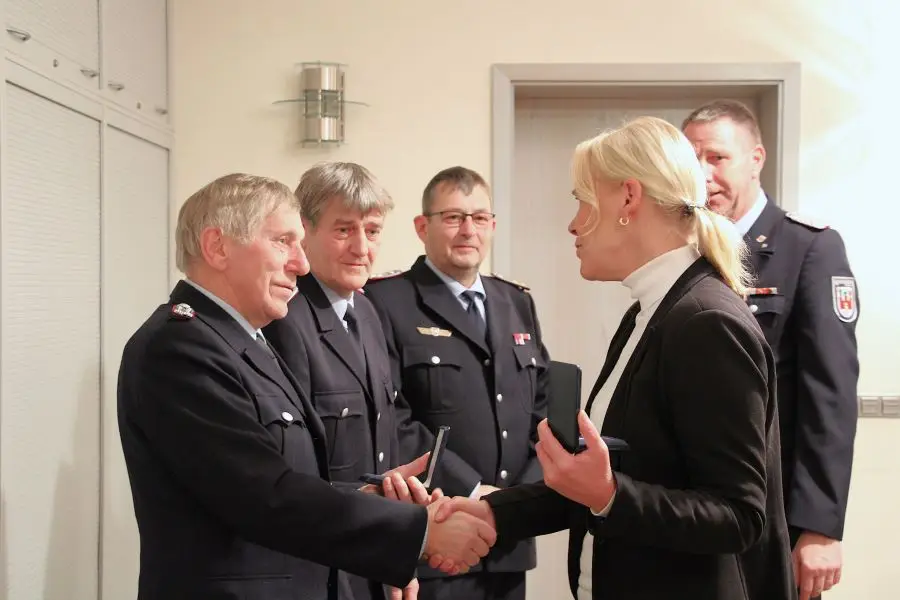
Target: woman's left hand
(586,477)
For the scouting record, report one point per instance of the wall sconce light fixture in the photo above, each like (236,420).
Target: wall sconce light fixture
(324,105)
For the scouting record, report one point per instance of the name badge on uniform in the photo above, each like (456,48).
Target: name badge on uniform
(521,338)
(434,331)
(764,291)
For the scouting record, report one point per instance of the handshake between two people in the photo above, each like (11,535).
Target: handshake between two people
(460,531)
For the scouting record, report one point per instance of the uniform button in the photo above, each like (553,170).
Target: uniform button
(753,308)
(487,362)
(395,394)
(533,361)
(503,474)
(378,417)
(381,457)
(435,359)
(287,416)
(345,412)
(505,434)
(499,397)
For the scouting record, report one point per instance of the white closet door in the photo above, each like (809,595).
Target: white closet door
(65,30)
(135,276)
(135,51)
(50,383)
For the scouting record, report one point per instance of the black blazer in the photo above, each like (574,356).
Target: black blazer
(817,362)
(491,392)
(229,475)
(698,513)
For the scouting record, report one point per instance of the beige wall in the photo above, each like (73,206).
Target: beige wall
(424,67)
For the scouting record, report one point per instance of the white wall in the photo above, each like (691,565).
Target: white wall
(424,68)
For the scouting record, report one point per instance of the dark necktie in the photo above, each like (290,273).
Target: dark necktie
(262,342)
(472,311)
(353,330)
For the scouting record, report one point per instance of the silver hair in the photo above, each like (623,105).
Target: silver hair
(353,184)
(237,204)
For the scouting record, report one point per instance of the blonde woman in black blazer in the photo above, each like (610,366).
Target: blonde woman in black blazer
(694,508)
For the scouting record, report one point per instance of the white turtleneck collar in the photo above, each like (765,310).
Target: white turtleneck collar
(650,283)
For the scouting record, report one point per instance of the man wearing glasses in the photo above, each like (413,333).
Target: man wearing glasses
(466,351)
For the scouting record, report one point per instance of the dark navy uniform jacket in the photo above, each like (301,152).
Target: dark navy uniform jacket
(490,389)
(351,391)
(228,466)
(806,301)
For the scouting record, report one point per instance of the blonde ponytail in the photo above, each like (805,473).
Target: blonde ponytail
(722,245)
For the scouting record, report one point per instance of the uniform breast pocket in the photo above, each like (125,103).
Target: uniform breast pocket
(343,414)
(388,418)
(434,374)
(285,423)
(768,310)
(529,363)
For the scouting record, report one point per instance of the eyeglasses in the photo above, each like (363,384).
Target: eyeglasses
(455,218)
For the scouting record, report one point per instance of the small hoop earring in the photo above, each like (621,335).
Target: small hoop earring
(623,221)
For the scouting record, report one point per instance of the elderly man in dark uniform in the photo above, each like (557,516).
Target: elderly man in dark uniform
(806,301)
(331,338)
(226,455)
(468,353)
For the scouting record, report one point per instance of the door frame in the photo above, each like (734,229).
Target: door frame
(782,78)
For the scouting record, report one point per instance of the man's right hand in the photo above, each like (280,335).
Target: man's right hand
(402,484)
(476,508)
(448,509)
(457,538)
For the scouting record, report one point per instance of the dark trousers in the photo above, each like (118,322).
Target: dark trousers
(364,589)
(474,586)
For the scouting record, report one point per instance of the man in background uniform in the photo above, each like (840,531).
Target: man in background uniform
(807,304)
(331,338)
(468,353)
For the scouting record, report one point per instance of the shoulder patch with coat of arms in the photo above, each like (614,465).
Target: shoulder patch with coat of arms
(807,221)
(844,298)
(181,312)
(512,282)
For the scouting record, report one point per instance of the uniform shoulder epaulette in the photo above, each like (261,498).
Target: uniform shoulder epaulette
(512,282)
(387,275)
(181,312)
(807,221)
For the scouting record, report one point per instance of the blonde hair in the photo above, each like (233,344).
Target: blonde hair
(355,185)
(659,156)
(236,203)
